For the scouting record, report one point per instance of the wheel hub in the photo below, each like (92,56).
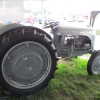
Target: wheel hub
(27,67)
(24,65)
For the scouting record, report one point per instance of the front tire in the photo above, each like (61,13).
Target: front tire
(93,65)
(28,62)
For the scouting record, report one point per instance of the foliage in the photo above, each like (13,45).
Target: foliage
(98,31)
(71,82)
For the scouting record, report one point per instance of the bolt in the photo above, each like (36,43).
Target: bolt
(4,68)
(10,77)
(30,68)
(40,65)
(44,53)
(34,74)
(45,71)
(16,68)
(24,58)
(28,83)
(27,45)
(8,57)
(23,77)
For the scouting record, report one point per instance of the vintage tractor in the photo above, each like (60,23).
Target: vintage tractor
(28,55)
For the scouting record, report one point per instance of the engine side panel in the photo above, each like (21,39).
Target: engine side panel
(74,45)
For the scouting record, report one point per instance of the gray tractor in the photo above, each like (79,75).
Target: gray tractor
(28,55)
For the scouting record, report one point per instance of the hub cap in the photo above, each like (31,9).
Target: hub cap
(26,65)
(96,65)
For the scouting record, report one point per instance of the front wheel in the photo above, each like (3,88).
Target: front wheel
(28,62)
(93,66)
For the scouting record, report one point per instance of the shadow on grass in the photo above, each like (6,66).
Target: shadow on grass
(71,82)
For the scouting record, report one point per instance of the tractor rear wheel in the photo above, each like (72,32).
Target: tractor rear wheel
(27,62)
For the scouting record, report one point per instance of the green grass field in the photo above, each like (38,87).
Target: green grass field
(71,82)
(98,32)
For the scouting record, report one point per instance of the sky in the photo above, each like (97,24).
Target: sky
(65,6)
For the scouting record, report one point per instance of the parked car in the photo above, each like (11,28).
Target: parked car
(46,21)
(80,18)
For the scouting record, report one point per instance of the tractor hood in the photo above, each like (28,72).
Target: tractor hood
(81,30)
(10,27)
(66,30)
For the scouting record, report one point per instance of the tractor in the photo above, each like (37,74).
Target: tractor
(29,55)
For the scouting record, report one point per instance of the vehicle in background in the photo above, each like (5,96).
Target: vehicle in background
(70,18)
(46,21)
(36,19)
(80,18)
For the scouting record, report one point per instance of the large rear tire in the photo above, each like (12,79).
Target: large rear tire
(27,61)
(93,65)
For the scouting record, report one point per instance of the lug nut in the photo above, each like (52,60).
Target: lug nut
(9,57)
(34,74)
(27,45)
(23,77)
(16,68)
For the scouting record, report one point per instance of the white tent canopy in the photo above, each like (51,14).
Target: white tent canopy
(56,6)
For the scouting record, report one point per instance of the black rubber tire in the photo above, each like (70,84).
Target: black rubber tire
(90,62)
(15,39)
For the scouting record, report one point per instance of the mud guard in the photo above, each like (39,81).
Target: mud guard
(36,43)
(9,27)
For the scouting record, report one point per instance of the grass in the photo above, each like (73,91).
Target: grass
(71,82)
(98,31)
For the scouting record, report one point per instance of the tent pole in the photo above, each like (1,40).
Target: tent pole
(42,7)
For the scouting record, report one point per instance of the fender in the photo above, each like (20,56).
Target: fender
(9,27)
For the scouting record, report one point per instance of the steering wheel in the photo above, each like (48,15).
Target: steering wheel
(52,24)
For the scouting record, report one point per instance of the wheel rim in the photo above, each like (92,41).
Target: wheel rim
(96,65)
(26,65)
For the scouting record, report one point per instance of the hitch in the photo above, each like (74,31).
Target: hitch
(92,51)
(3,98)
